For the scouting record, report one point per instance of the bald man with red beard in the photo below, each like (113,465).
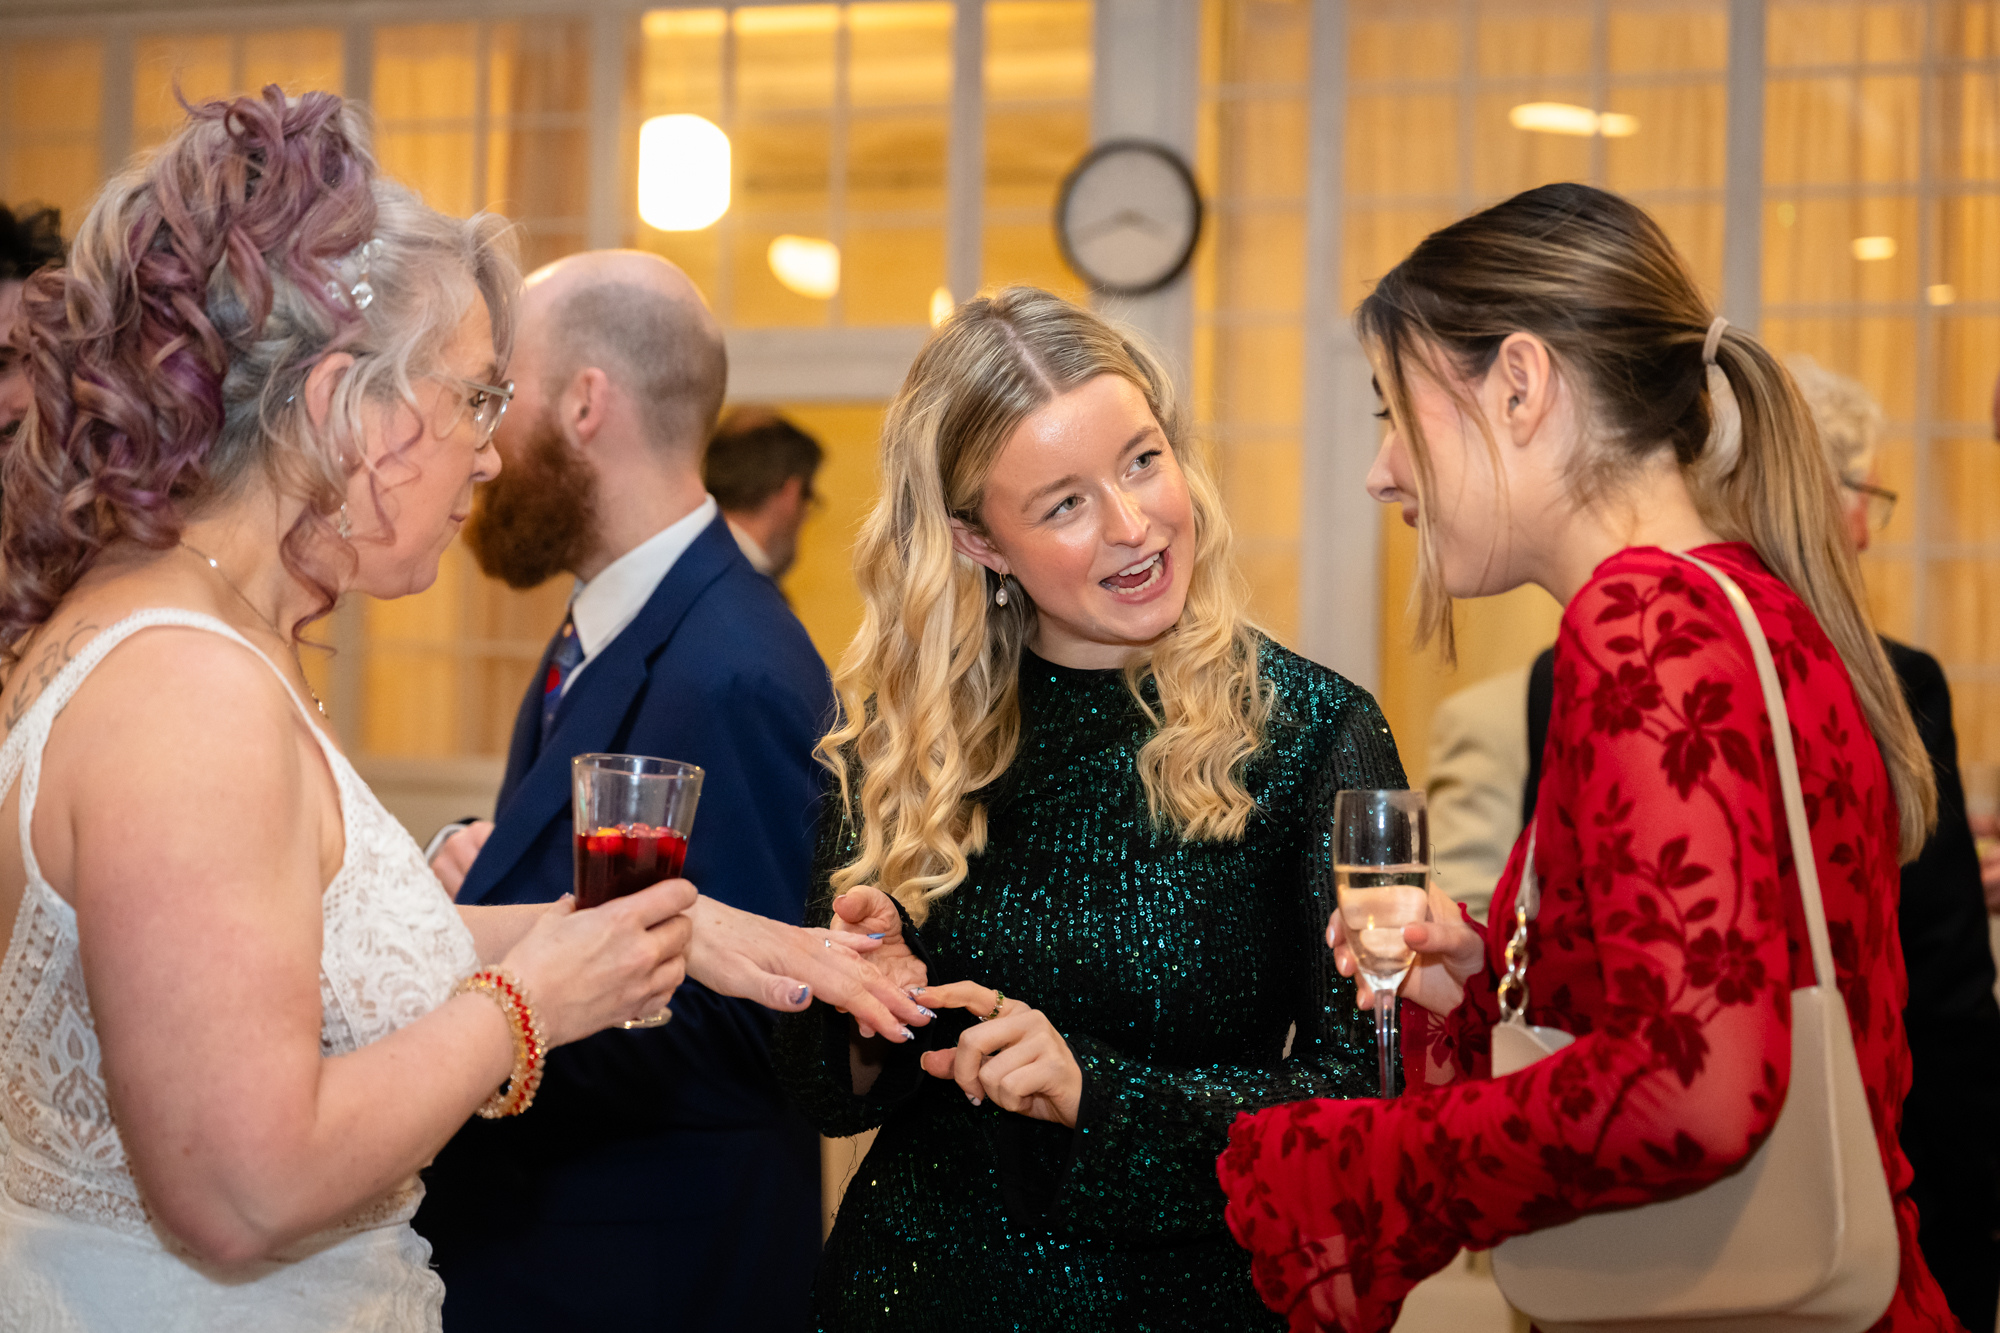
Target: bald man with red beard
(662,1182)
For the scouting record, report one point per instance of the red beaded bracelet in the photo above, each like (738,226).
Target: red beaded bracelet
(530,1051)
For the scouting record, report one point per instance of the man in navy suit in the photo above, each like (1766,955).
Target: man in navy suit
(661,1181)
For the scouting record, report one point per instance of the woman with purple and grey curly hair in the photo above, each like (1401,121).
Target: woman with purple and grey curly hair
(237,1012)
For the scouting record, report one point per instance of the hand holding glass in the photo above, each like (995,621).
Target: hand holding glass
(633,818)
(1381,875)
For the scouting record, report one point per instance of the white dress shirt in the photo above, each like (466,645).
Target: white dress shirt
(603,607)
(608,603)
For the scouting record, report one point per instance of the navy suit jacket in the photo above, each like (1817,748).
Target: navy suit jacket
(660,1181)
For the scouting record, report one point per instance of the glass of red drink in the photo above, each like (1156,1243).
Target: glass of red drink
(633,817)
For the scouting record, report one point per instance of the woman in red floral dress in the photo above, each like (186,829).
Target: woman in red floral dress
(1567,412)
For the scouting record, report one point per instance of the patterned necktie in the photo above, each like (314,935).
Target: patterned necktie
(568,652)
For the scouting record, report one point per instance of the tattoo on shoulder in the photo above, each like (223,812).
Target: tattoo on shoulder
(35,677)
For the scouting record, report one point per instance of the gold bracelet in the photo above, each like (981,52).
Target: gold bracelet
(517,1094)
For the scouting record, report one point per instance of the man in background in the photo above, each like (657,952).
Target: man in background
(661,1181)
(1950,1018)
(28,241)
(1478,768)
(760,469)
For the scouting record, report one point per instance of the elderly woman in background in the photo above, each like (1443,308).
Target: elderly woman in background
(239,1013)
(1951,1018)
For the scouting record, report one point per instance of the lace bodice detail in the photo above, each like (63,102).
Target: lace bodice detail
(393,945)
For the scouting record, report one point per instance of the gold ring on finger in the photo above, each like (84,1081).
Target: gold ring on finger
(998,1000)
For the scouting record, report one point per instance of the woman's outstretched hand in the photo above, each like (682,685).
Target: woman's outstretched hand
(785,967)
(1449,952)
(585,971)
(868,914)
(1017,1058)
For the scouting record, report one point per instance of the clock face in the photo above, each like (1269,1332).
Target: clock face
(1129,216)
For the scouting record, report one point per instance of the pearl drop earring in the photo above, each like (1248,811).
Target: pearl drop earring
(1000,597)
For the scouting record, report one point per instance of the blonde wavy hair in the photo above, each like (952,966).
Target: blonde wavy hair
(930,710)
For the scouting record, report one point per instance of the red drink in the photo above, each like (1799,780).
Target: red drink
(614,861)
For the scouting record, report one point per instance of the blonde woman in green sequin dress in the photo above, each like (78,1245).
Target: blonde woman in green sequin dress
(1087,803)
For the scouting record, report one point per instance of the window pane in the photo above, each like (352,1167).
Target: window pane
(1645,38)
(1679,145)
(888,273)
(1810,249)
(426,71)
(1404,145)
(50,93)
(296,59)
(897,161)
(1405,39)
(1037,50)
(785,57)
(899,54)
(1881,352)
(681,62)
(1549,39)
(539,67)
(196,67)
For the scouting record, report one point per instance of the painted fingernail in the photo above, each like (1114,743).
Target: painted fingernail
(974,1100)
(880,934)
(799,996)
(915,991)
(909,1035)
(925,1012)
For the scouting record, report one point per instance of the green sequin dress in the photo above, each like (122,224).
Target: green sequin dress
(1176,972)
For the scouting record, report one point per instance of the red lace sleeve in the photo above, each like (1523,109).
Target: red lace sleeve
(1662,941)
(1440,1050)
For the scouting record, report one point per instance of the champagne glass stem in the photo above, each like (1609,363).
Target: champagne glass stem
(1388,1041)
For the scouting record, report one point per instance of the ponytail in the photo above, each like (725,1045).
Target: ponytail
(1594,277)
(1783,498)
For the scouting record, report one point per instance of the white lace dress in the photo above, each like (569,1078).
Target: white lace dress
(79,1250)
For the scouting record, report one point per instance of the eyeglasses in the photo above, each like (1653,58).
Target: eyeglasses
(486,402)
(1881,502)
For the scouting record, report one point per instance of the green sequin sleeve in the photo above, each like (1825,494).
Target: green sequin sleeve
(810,1050)
(1148,1134)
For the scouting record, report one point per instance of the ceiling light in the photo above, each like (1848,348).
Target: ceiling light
(683,173)
(1941,293)
(941,306)
(1565,118)
(806,265)
(1868,248)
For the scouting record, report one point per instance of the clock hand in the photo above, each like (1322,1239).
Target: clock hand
(1123,218)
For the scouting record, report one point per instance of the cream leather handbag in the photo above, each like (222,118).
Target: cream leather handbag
(1802,1237)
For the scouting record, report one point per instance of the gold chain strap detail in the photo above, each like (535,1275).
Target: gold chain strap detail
(1513,990)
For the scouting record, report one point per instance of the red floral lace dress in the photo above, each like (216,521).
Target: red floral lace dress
(1669,940)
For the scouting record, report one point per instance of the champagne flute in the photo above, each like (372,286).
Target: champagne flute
(1381,875)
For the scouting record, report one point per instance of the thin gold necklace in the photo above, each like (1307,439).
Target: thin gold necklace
(282,637)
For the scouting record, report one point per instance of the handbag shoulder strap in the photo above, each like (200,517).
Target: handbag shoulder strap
(1803,862)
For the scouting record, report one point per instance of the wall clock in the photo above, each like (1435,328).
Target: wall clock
(1128,216)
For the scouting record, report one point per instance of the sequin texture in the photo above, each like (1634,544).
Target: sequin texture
(1176,972)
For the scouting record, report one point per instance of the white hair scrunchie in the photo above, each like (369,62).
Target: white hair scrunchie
(1725,431)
